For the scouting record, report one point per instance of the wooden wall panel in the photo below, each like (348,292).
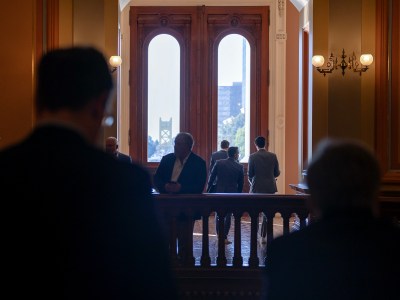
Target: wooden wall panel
(387,93)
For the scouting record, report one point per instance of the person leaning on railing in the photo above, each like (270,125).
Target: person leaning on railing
(181,172)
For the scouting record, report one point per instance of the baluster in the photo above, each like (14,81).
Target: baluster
(253,259)
(205,260)
(221,258)
(270,226)
(172,239)
(237,260)
(186,224)
(190,260)
(303,219)
(286,217)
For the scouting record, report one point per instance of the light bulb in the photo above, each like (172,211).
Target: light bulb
(115,61)
(318,61)
(366,59)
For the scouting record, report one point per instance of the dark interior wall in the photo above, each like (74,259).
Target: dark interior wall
(292,97)
(319,38)
(341,108)
(344,90)
(17,37)
(95,23)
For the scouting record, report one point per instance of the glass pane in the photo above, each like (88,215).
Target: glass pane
(163,96)
(234,93)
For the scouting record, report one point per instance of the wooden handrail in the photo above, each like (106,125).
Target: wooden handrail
(195,206)
(236,281)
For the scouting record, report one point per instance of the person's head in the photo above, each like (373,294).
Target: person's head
(73,85)
(343,175)
(183,144)
(224,144)
(260,142)
(233,152)
(112,145)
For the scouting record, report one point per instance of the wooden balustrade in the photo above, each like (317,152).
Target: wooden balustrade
(236,280)
(174,208)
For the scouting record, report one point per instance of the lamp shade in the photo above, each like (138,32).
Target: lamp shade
(115,61)
(366,59)
(318,61)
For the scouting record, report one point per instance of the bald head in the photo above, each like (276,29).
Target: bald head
(112,145)
(183,144)
(343,175)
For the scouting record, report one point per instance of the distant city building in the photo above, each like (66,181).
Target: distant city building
(229,101)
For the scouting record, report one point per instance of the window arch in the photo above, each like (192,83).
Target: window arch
(234,93)
(163,113)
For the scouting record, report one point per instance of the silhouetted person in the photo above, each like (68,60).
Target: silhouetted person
(181,172)
(263,169)
(222,153)
(347,253)
(78,224)
(112,148)
(229,177)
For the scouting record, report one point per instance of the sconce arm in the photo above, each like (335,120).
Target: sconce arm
(324,70)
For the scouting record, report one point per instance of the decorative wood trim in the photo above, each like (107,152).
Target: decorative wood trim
(146,23)
(305,95)
(395,86)
(38,30)
(52,29)
(387,112)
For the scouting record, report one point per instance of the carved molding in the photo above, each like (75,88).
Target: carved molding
(281,6)
(281,36)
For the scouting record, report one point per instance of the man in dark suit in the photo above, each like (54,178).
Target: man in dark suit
(347,253)
(112,148)
(182,172)
(220,154)
(263,169)
(78,224)
(229,176)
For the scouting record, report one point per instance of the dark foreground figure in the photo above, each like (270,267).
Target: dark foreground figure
(347,253)
(77,224)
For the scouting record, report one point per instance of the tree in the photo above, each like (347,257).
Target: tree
(232,129)
(151,146)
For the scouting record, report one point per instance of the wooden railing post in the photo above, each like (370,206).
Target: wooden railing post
(237,260)
(221,258)
(253,259)
(205,260)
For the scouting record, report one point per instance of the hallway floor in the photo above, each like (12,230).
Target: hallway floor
(245,232)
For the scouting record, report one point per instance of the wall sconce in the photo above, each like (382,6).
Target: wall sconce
(115,61)
(352,63)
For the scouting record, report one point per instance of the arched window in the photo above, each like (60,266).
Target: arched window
(194,80)
(163,96)
(234,93)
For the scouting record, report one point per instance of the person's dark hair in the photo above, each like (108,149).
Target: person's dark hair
(232,151)
(71,77)
(224,144)
(343,175)
(260,141)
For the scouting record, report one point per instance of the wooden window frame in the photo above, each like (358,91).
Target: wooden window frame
(198,30)
(387,92)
